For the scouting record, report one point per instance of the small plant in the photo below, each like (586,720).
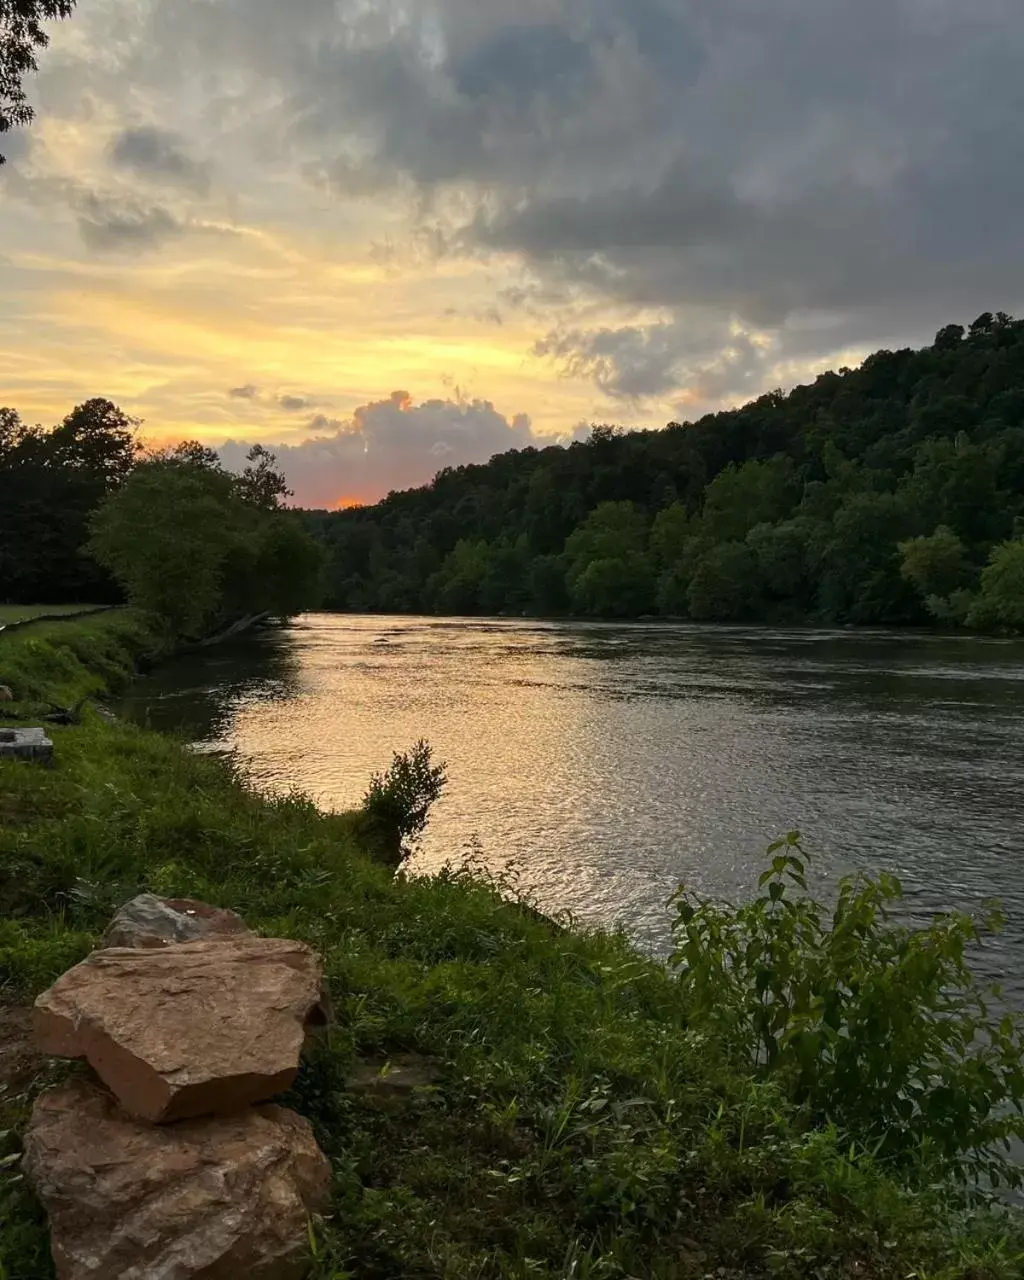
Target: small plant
(398,802)
(869,1024)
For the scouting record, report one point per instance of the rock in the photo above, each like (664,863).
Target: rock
(221,1198)
(149,921)
(6,693)
(26,744)
(201,1027)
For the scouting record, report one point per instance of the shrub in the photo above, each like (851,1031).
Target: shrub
(398,802)
(875,1026)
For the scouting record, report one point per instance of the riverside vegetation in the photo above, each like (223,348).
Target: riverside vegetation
(801,1092)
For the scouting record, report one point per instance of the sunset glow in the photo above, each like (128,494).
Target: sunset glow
(249,221)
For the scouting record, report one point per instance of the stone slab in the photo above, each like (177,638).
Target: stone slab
(26,744)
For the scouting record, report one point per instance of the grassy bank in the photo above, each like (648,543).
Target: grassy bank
(10,613)
(577,1118)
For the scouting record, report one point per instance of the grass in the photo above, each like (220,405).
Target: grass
(579,1123)
(25,612)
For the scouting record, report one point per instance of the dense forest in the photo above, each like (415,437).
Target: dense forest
(86,516)
(888,494)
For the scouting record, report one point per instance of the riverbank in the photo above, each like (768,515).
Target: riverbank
(572,1116)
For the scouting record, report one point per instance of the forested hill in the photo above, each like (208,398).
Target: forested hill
(889,494)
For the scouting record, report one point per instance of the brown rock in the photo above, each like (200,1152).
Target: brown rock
(6,693)
(224,1198)
(207,1026)
(149,921)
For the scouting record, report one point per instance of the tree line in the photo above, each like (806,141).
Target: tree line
(890,494)
(86,516)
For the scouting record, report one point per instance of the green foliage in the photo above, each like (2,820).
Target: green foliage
(1000,604)
(936,565)
(741,497)
(199,547)
(725,586)
(612,529)
(588,1116)
(876,1027)
(671,532)
(823,486)
(397,803)
(616,587)
(50,482)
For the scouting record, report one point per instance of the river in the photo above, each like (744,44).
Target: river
(611,762)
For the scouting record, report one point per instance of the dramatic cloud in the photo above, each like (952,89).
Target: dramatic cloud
(579,206)
(157,154)
(765,164)
(637,362)
(248,392)
(390,444)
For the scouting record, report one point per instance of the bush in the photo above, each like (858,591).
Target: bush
(398,802)
(877,1027)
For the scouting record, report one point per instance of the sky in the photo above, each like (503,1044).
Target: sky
(386,236)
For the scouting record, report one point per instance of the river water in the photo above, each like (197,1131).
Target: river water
(612,762)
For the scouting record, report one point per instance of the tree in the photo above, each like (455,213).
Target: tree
(740,497)
(670,533)
(783,557)
(163,537)
(97,440)
(615,587)
(50,482)
(21,35)
(548,592)
(186,543)
(260,482)
(725,586)
(1001,602)
(611,531)
(936,565)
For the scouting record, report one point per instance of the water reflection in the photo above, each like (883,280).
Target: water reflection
(615,761)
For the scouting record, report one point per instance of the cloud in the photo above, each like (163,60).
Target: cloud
(804,167)
(389,444)
(636,363)
(112,224)
(247,392)
(159,155)
(293,404)
(667,201)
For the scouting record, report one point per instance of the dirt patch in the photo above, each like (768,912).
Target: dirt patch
(20,1061)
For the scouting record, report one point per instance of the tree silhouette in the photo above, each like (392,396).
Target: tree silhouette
(21,34)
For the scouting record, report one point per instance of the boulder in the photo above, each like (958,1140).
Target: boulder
(6,693)
(149,921)
(188,1030)
(219,1198)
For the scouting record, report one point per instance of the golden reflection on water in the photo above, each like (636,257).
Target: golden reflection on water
(612,762)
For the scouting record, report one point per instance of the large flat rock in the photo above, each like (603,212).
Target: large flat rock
(191,1029)
(222,1198)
